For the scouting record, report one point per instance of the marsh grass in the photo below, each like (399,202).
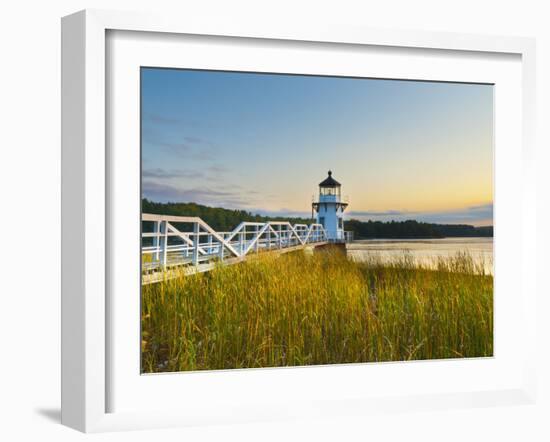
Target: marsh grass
(322,308)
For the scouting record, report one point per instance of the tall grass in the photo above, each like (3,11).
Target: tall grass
(300,309)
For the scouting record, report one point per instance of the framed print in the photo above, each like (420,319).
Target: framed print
(270,223)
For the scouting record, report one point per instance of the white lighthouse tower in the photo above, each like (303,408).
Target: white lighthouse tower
(330,208)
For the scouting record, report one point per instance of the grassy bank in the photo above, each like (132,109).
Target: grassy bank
(302,309)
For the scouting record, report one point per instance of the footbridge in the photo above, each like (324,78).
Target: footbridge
(171,244)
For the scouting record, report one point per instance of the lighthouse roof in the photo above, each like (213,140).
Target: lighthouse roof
(329,181)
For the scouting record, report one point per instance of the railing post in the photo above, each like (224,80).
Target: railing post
(196,242)
(242,238)
(268,239)
(156,241)
(290,237)
(210,244)
(280,237)
(164,248)
(257,239)
(220,251)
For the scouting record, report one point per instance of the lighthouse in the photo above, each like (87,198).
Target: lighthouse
(330,208)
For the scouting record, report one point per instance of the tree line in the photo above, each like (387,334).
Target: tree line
(225,220)
(413,229)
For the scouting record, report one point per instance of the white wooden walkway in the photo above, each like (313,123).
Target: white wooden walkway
(171,244)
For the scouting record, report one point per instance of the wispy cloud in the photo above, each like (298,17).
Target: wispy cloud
(166,192)
(191,147)
(194,140)
(373,213)
(163,174)
(178,141)
(210,173)
(163,120)
(483,208)
(187,151)
(283,212)
(218,169)
(159,119)
(479,214)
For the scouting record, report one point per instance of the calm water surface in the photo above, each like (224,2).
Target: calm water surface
(424,251)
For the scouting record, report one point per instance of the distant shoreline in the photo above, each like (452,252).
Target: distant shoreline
(222,219)
(422,238)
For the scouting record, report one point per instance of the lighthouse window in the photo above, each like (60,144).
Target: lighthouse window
(322,220)
(330,191)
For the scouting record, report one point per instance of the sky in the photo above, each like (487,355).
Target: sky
(263,142)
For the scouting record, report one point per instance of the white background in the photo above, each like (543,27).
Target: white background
(30,183)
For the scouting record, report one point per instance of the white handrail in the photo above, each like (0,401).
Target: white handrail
(199,243)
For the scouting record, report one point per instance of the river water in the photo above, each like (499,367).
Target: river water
(424,251)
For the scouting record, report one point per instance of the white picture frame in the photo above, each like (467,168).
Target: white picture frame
(86,213)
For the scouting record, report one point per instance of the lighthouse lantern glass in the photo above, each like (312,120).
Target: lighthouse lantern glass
(323,191)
